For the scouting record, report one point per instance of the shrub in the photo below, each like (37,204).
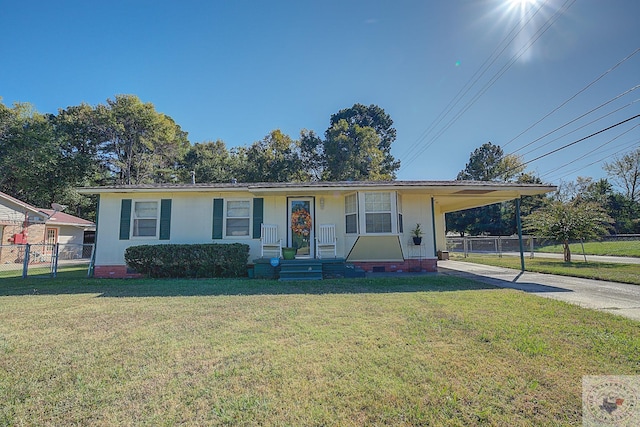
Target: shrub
(197,260)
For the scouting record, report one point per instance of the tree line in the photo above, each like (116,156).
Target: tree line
(44,157)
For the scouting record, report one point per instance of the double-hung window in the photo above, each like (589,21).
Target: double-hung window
(378,213)
(145,218)
(237,218)
(373,213)
(351,213)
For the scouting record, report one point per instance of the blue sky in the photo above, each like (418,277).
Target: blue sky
(235,70)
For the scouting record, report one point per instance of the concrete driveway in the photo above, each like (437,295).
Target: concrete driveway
(616,298)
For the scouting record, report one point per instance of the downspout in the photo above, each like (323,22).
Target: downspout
(433,226)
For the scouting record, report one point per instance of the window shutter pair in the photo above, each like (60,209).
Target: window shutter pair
(165,219)
(218,217)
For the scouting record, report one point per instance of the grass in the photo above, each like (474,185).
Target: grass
(432,350)
(70,271)
(613,272)
(630,248)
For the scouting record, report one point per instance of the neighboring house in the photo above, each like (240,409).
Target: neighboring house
(373,220)
(21,223)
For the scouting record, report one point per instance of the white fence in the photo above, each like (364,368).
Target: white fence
(45,260)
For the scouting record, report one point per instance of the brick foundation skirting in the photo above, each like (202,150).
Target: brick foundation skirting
(424,264)
(113,272)
(408,265)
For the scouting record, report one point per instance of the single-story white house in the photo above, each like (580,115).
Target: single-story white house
(372,221)
(22,223)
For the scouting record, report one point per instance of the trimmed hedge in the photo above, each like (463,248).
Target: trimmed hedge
(197,260)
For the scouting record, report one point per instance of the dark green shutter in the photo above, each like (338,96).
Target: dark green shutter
(258,216)
(165,219)
(125,219)
(218,218)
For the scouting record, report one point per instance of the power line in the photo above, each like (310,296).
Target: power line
(496,76)
(589,153)
(623,60)
(632,144)
(578,118)
(473,80)
(578,128)
(577,141)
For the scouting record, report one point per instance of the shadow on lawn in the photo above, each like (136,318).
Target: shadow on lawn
(115,288)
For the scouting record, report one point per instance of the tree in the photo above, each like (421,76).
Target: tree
(376,118)
(273,159)
(625,171)
(621,208)
(31,160)
(312,154)
(138,144)
(353,153)
(565,221)
(488,163)
(210,161)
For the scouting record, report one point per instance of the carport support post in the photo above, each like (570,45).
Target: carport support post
(519,222)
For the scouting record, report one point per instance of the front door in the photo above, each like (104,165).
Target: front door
(300,225)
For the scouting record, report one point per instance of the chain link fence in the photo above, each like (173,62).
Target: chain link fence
(500,245)
(42,260)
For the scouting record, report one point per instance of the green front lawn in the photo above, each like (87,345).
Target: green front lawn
(613,272)
(629,248)
(432,350)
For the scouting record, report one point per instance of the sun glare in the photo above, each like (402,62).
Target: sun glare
(521,3)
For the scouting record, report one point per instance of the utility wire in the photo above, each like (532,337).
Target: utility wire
(623,60)
(633,143)
(473,79)
(576,119)
(491,82)
(574,142)
(581,127)
(589,153)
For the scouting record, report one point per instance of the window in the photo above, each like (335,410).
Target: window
(351,213)
(145,219)
(378,212)
(373,213)
(237,218)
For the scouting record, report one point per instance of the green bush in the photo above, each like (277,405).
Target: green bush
(198,260)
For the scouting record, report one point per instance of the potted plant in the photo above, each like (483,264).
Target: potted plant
(289,253)
(417,235)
